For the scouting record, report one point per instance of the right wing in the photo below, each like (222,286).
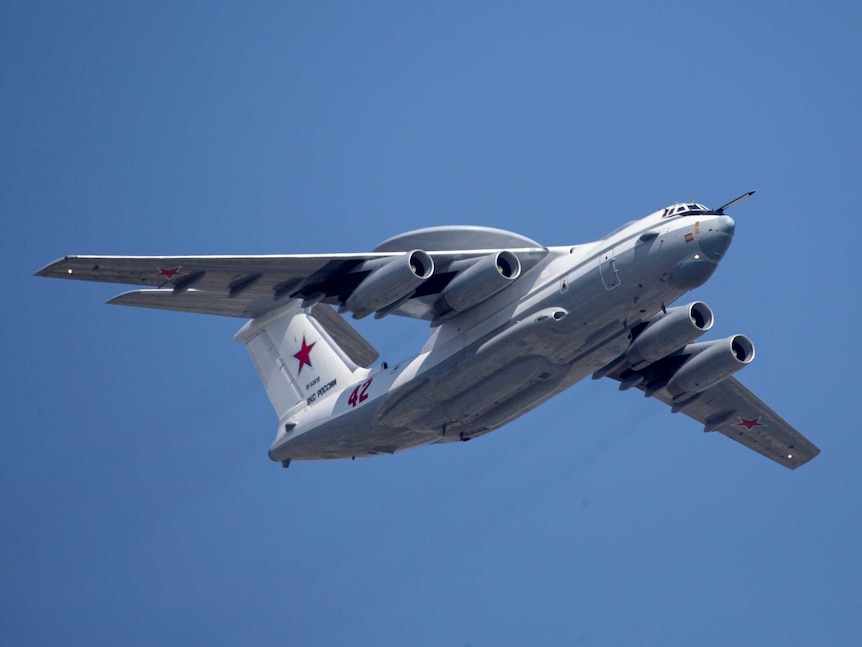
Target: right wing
(235,286)
(250,286)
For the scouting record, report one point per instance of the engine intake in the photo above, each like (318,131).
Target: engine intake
(390,280)
(480,281)
(711,363)
(680,326)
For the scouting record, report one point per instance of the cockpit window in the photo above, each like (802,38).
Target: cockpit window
(683,209)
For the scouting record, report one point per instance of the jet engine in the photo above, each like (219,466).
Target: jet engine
(710,363)
(390,281)
(479,281)
(680,326)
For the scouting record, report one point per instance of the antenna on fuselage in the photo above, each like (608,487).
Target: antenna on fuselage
(721,209)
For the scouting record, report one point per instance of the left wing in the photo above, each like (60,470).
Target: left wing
(250,286)
(732,409)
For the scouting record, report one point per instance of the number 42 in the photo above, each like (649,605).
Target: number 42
(359,394)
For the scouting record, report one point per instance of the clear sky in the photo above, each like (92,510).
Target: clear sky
(138,505)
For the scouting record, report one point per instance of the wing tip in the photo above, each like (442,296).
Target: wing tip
(810,455)
(55,269)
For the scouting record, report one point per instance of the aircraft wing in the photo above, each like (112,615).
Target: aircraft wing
(236,286)
(732,409)
(250,286)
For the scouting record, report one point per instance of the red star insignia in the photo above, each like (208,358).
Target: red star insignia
(304,354)
(169,272)
(750,424)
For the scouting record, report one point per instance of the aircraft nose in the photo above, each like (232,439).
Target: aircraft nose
(726,224)
(719,237)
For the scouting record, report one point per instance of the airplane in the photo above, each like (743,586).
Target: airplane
(513,323)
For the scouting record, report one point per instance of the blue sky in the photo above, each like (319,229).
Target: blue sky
(138,503)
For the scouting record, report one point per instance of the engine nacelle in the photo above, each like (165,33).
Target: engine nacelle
(480,281)
(680,326)
(712,362)
(390,280)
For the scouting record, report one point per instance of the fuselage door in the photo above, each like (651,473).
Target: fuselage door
(608,270)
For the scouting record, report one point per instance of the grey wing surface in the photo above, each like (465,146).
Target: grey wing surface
(250,286)
(237,286)
(730,408)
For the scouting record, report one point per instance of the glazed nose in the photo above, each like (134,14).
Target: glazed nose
(718,238)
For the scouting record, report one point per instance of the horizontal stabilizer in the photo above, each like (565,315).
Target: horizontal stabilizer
(208,303)
(354,345)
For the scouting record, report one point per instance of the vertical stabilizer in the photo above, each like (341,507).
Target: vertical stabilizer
(297,359)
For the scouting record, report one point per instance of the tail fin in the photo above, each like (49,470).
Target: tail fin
(297,354)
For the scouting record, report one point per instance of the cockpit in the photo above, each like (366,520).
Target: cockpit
(686,209)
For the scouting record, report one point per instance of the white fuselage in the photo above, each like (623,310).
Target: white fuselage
(565,318)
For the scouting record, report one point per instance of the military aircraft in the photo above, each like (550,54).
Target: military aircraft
(513,324)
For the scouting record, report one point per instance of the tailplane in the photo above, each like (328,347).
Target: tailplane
(302,354)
